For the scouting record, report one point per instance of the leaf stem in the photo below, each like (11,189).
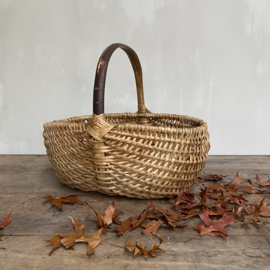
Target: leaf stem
(192,238)
(32,199)
(113,253)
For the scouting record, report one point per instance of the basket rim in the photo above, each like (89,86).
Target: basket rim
(68,122)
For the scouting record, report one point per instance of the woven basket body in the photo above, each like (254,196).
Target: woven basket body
(141,155)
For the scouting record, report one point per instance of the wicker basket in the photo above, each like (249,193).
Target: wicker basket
(141,155)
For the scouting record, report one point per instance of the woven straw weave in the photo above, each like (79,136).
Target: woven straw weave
(140,155)
(142,161)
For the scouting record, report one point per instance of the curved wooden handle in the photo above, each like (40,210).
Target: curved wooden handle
(101,71)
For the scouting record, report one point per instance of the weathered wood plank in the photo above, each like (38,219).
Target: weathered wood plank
(23,177)
(204,253)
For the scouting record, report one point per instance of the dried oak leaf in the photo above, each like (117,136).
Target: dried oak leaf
(214,226)
(237,180)
(254,218)
(78,227)
(249,208)
(210,177)
(234,200)
(190,213)
(233,186)
(183,197)
(6,221)
(56,241)
(145,214)
(171,217)
(216,195)
(157,247)
(222,204)
(93,241)
(235,195)
(105,219)
(151,227)
(132,247)
(109,213)
(138,248)
(217,187)
(202,202)
(265,212)
(70,239)
(238,211)
(224,236)
(57,201)
(125,226)
(262,183)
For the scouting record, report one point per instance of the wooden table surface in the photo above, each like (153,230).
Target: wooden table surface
(27,176)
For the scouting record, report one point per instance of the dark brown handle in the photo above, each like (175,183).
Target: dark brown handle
(99,88)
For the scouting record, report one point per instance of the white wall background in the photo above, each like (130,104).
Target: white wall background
(204,58)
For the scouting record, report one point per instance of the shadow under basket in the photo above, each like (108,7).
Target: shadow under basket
(140,155)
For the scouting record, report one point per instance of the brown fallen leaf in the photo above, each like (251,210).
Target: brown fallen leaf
(100,221)
(214,194)
(249,208)
(210,177)
(145,214)
(171,217)
(233,186)
(151,227)
(224,236)
(183,197)
(235,194)
(264,212)
(57,201)
(262,183)
(70,239)
(0,236)
(107,218)
(214,226)
(254,218)
(157,247)
(6,221)
(222,204)
(132,247)
(125,226)
(234,200)
(56,241)
(217,187)
(78,227)
(190,213)
(238,211)
(237,180)
(109,213)
(93,241)
(139,248)
(203,195)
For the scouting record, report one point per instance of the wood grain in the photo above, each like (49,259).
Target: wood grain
(23,177)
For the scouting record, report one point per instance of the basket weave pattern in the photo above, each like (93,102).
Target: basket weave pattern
(142,161)
(141,155)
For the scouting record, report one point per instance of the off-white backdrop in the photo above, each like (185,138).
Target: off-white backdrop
(204,58)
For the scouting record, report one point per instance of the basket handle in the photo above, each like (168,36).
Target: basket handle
(100,79)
